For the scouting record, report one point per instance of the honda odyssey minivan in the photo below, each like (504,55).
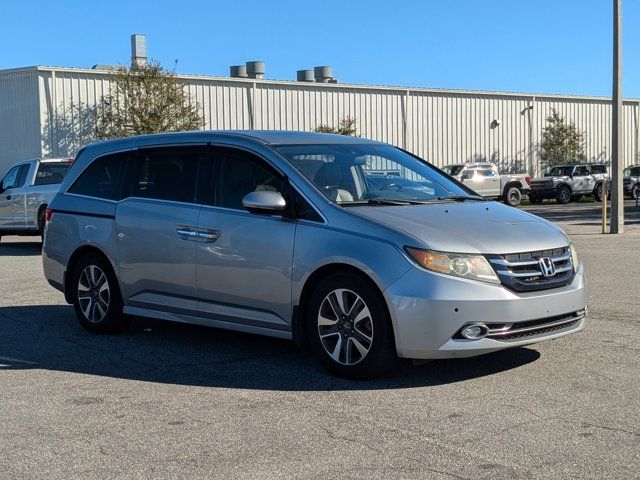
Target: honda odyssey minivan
(356,248)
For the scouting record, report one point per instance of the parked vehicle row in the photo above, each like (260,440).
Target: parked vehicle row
(302,236)
(485,179)
(25,192)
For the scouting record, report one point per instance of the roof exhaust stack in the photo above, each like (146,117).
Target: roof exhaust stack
(238,71)
(138,50)
(255,69)
(323,74)
(304,75)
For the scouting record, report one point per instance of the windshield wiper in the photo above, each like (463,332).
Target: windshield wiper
(462,198)
(376,201)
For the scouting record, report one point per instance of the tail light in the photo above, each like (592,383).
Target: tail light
(70,160)
(47,214)
(527,179)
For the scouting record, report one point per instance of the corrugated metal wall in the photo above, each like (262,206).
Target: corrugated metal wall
(442,126)
(19,117)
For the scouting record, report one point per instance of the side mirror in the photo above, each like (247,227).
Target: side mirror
(265,202)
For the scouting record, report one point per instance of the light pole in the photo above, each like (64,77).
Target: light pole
(617,197)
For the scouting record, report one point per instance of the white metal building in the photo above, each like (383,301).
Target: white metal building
(42,112)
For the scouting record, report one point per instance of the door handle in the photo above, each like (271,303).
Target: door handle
(209,235)
(186,233)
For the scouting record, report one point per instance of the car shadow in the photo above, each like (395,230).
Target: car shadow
(20,249)
(49,337)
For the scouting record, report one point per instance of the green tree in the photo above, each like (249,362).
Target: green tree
(562,142)
(347,126)
(145,99)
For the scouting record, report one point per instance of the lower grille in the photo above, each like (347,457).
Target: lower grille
(535,328)
(529,271)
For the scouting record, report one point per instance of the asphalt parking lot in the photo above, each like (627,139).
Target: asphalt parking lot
(176,401)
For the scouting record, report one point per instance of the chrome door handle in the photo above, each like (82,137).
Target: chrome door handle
(186,233)
(208,235)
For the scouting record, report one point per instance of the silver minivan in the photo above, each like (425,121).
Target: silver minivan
(358,249)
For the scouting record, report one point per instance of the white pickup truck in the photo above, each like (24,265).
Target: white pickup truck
(485,180)
(25,192)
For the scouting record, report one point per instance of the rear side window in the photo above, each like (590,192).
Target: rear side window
(51,173)
(102,178)
(168,173)
(598,169)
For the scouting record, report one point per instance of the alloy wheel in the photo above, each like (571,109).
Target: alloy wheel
(345,327)
(93,294)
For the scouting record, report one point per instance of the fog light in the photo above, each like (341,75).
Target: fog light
(474,332)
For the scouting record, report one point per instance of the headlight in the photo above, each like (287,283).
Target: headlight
(574,257)
(473,267)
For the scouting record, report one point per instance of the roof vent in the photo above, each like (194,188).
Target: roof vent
(138,50)
(304,75)
(255,69)
(323,74)
(238,71)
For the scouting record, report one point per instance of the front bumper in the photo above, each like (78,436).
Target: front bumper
(428,310)
(543,192)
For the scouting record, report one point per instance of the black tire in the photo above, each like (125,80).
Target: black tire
(635,192)
(536,200)
(513,196)
(597,193)
(381,356)
(41,221)
(113,320)
(563,195)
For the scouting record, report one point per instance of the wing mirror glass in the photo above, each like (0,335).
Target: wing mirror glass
(265,202)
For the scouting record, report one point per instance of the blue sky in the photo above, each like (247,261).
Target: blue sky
(561,46)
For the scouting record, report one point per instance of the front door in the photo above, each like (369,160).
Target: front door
(581,179)
(156,230)
(9,183)
(244,260)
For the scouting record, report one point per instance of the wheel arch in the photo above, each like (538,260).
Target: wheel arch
(75,257)
(511,183)
(299,320)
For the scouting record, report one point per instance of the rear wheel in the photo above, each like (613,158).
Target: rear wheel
(597,193)
(513,196)
(635,192)
(96,296)
(349,327)
(563,195)
(41,221)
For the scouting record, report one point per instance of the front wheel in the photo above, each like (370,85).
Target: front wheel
(563,196)
(635,192)
(96,296)
(513,196)
(349,327)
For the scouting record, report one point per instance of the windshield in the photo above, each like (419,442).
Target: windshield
(560,171)
(369,172)
(632,172)
(452,170)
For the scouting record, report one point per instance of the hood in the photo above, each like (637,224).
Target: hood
(547,179)
(469,227)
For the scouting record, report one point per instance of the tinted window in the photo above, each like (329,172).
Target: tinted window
(51,173)
(598,169)
(11,179)
(22,176)
(581,171)
(168,173)
(102,179)
(239,173)
(453,170)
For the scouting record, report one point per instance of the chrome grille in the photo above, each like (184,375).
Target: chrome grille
(534,328)
(538,270)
